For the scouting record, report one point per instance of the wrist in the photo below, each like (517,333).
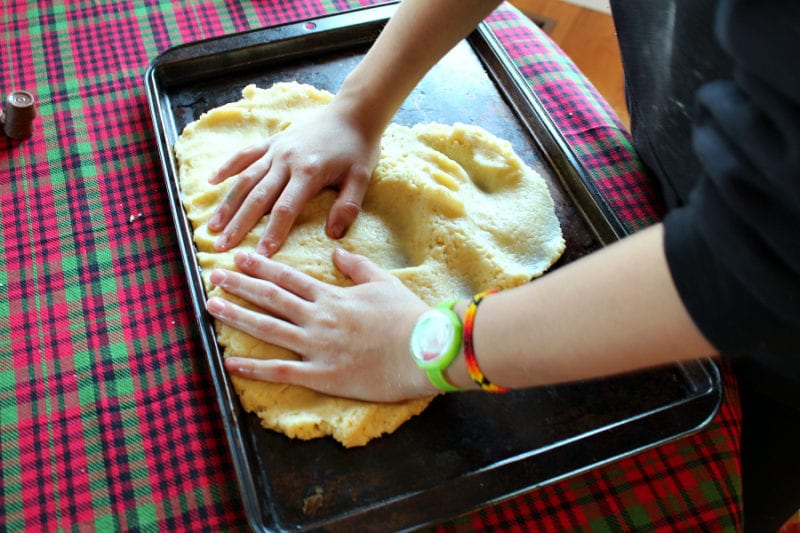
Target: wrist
(447,371)
(363,112)
(466,372)
(457,373)
(442,344)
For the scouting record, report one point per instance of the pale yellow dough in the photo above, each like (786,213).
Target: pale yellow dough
(451,210)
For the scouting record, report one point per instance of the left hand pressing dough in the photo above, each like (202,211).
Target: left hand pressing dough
(451,210)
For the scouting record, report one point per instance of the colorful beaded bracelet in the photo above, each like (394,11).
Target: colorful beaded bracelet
(469,349)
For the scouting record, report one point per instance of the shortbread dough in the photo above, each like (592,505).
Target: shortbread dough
(451,210)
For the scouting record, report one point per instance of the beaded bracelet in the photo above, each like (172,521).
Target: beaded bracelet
(469,350)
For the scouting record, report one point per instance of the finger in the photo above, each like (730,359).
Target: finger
(257,324)
(346,207)
(303,373)
(263,294)
(239,161)
(284,212)
(239,192)
(357,267)
(257,203)
(284,276)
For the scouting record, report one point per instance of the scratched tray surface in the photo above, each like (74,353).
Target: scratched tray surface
(465,450)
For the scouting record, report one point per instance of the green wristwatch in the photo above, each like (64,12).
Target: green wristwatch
(435,342)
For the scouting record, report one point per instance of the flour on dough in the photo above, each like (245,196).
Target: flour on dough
(451,211)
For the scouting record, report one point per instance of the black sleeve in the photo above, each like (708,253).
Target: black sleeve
(734,248)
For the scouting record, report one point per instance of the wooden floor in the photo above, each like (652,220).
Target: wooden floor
(589,38)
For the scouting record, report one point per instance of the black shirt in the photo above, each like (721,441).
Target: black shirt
(714,93)
(713,88)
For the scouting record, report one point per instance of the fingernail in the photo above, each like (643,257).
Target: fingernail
(243,258)
(336,231)
(266,248)
(218,277)
(213,224)
(215,305)
(236,365)
(221,243)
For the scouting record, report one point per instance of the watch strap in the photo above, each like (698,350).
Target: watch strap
(436,377)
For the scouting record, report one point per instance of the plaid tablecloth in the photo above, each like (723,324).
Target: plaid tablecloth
(108,416)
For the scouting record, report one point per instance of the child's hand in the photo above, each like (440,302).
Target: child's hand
(282,174)
(352,341)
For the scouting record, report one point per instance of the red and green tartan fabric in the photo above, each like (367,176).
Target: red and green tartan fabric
(108,419)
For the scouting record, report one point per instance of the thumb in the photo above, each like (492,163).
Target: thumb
(357,267)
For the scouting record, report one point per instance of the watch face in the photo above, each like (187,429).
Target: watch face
(432,337)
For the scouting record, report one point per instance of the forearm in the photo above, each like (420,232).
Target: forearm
(419,34)
(611,312)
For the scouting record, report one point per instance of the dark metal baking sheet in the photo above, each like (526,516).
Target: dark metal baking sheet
(465,450)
